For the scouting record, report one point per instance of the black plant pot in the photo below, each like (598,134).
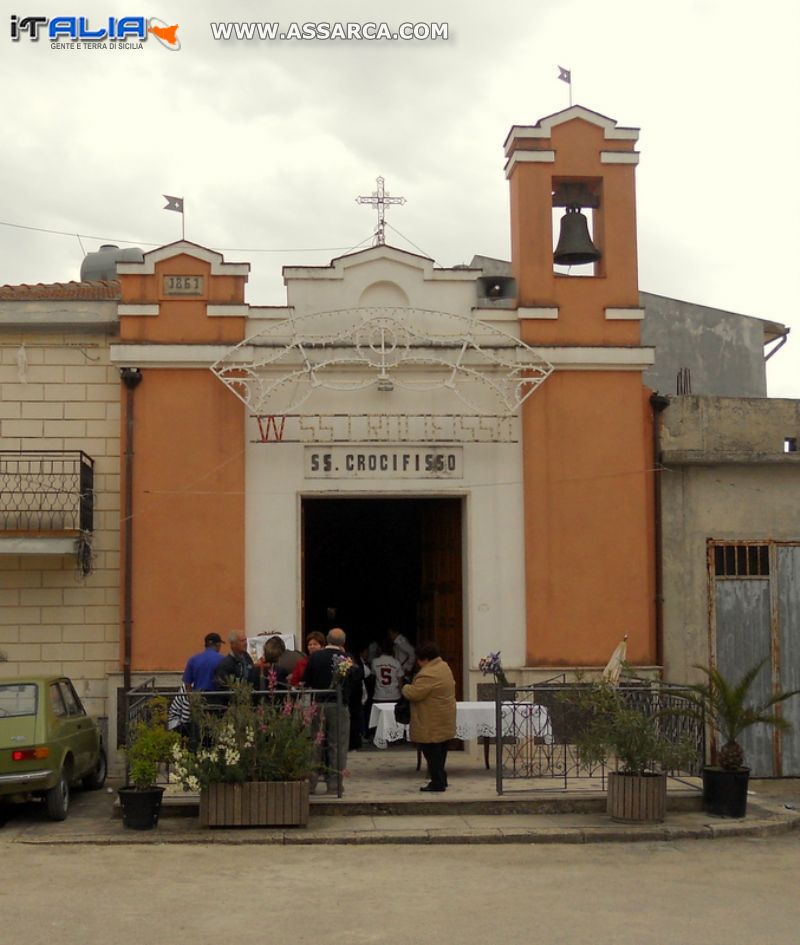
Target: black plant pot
(140,809)
(725,791)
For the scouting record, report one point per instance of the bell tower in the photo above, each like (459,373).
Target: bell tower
(587,434)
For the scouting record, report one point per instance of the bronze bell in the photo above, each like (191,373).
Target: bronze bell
(575,246)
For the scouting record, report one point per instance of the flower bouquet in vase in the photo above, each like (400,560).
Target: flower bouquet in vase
(342,665)
(492,665)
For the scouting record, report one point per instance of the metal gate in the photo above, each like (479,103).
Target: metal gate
(540,725)
(754,609)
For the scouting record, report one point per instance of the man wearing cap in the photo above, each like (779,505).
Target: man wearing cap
(200,669)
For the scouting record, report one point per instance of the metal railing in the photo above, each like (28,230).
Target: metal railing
(540,725)
(46,491)
(133,707)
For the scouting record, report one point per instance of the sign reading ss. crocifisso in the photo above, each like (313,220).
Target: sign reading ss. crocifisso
(376,462)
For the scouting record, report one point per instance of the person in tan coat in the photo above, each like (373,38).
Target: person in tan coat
(432,695)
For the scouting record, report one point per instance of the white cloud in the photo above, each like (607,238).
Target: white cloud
(271,142)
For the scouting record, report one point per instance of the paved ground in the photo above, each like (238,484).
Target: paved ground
(731,892)
(382,805)
(515,876)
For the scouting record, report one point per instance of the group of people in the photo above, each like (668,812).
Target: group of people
(420,674)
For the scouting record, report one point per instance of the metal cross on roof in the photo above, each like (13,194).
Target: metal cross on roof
(380,200)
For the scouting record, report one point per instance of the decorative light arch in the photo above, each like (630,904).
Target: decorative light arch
(277,370)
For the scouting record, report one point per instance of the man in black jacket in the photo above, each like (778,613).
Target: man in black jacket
(321,673)
(237,665)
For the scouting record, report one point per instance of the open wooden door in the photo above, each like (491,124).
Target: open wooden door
(440,610)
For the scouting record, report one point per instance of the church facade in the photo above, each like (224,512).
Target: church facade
(467,454)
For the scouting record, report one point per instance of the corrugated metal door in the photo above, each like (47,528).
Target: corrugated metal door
(788,580)
(743,639)
(756,616)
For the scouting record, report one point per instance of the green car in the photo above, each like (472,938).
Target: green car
(47,742)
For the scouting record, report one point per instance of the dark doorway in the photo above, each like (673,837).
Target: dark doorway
(372,564)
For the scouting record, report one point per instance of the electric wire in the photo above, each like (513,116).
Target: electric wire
(411,243)
(223,249)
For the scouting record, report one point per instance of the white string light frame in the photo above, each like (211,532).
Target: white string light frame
(277,370)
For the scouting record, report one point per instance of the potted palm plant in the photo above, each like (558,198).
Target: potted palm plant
(254,760)
(614,729)
(731,708)
(149,744)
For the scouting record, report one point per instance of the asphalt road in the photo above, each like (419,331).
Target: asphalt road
(725,892)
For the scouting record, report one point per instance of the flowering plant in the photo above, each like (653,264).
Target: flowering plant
(273,738)
(342,664)
(149,745)
(491,664)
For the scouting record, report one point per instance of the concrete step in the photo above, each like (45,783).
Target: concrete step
(576,802)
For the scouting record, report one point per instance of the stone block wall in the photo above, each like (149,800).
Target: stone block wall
(65,395)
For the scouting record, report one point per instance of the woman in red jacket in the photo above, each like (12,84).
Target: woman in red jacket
(314,641)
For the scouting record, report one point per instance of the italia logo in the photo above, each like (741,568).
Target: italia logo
(79,29)
(165,34)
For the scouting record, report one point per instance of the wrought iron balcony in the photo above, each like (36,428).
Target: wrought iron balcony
(46,493)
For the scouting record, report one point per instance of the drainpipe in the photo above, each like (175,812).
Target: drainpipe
(658,402)
(131,378)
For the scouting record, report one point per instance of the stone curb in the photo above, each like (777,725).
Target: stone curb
(767,818)
(614,833)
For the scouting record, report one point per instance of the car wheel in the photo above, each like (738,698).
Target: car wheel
(97,778)
(57,798)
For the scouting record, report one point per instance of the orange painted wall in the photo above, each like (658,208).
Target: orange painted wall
(182,321)
(588,519)
(188,503)
(587,434)
(188,515)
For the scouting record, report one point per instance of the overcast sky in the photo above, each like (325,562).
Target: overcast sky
(270,142)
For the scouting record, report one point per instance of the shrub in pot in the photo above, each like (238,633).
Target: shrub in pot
(612,729)
(149,745)
(730,709)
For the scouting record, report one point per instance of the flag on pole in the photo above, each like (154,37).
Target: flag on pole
(564,74)
(613,670)
(173,203)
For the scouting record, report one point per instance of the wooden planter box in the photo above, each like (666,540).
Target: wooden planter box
(255,804)
(634,798)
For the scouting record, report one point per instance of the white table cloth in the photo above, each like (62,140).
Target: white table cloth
(473,719)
